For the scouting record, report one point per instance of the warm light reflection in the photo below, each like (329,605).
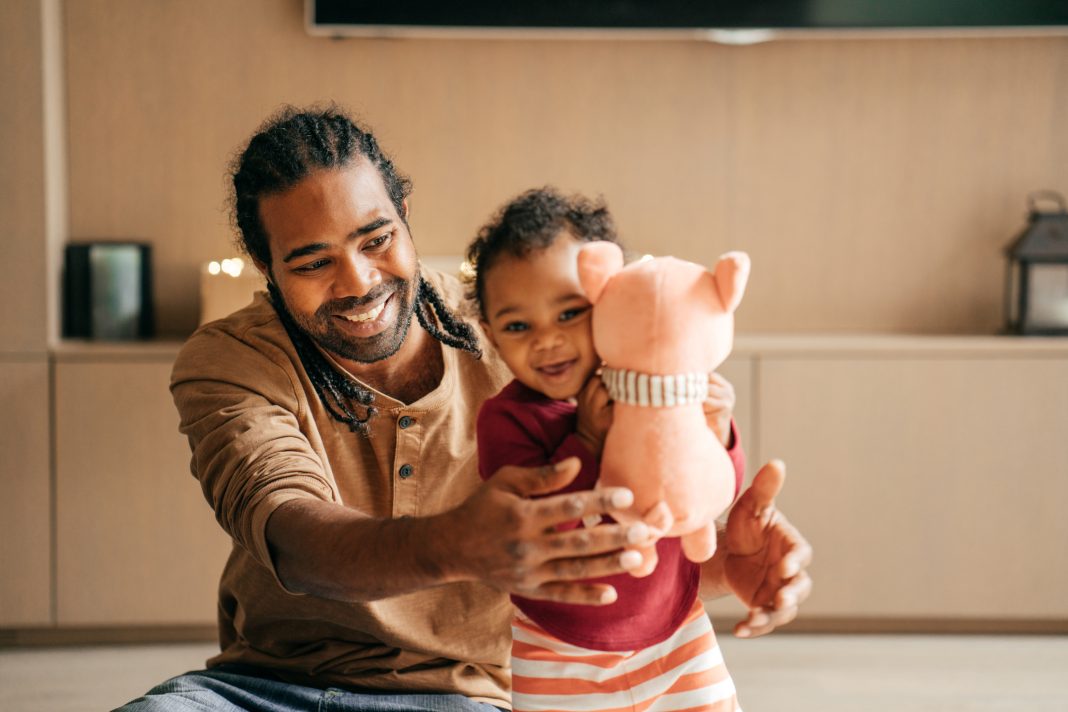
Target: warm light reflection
(232,266)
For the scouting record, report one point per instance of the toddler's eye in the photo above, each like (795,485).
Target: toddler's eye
(514,326)
(569,314)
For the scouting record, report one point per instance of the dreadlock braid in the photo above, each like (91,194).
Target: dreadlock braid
(454,331)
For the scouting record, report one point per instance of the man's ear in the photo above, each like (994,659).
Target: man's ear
(264,270)
(597,262)
(486,330)
(406,210)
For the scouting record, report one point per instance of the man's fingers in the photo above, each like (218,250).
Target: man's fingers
(796,561)
(752,626)
(527,481)
(760,622)
(578,569)
(794,593)
(561,508)
(601,539)
(568,572)
(582,593)
(765,619)
(766,485)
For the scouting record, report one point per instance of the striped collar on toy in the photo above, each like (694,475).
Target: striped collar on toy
(658,391)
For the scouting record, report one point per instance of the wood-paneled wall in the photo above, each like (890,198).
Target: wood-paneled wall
(26,532)
(874,182)
(23,291)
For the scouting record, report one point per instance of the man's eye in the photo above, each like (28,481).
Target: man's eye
(312,266)
(380,241)
(515,326)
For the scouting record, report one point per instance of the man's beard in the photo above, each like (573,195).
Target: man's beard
(322,328)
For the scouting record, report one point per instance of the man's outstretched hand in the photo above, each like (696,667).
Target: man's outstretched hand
(761,557)
(503,537)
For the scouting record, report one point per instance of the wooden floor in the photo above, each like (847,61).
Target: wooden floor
(781,673)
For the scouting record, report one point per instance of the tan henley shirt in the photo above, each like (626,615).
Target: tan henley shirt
(260,436)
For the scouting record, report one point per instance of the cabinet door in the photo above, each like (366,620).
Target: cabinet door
(25,508)
(929,487)
(136,542)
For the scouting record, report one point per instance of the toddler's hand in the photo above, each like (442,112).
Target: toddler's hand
(719,407)
(594,414)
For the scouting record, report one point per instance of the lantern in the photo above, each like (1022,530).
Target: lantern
(1036,290)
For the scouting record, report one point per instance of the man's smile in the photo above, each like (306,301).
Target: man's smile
(366,315)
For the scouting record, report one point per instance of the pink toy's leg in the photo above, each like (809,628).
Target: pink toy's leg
(659,519)
(699,545)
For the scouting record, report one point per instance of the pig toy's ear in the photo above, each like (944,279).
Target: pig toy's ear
(597,262)
(732,273)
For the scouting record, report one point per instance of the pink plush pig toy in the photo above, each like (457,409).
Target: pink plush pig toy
(661,326)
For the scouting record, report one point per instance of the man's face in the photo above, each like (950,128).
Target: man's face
(344,261)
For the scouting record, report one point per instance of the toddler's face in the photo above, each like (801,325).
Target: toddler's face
(538,317)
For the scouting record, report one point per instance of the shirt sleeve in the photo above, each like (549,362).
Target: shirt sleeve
(239,410)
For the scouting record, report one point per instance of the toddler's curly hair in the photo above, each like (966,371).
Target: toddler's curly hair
(530,222)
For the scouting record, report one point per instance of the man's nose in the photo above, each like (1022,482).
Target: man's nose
(356,276)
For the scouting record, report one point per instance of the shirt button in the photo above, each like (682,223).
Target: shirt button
(404,422)
(405,471)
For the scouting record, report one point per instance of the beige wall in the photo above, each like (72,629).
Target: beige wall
(23,291)
(25,525)
(874,182)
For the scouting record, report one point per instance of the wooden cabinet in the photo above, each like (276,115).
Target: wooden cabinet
(25,507)
(928,473)
(931,485)
(136,542)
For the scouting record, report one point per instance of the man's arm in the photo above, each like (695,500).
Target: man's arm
(761,558)
(497,536)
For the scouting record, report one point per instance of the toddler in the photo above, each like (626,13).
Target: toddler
(653,648)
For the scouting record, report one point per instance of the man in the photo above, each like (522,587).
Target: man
(334,437)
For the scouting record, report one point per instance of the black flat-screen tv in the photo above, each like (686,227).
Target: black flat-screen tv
(363,17)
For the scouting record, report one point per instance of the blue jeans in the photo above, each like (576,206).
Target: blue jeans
(240,689)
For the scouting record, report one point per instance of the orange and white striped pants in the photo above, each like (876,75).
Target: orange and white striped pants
(683,673)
